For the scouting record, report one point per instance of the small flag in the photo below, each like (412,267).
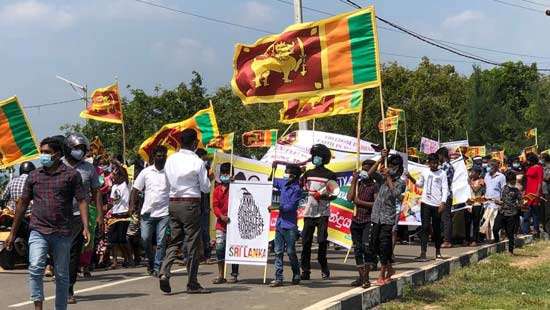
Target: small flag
(531,133)
(412,151)
(260,138)
(17,142)
(498,155)
(531,149)
(97,148)
(331,56)
(388,124)
(476,151)
(223,142)
(105,106)
(204,122)
(299,110)
(395,112)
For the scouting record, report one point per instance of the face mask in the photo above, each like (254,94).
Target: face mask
(363,174)
(317,161)
(46,160)
(488,168)
(515,165)
(286,176)
(225,179)
(484,165)
(77,154)
(160,162)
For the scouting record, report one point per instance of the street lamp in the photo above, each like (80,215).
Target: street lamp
(548,12)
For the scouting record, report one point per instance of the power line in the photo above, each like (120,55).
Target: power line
(517,6)
(216,20)
(545,5)
(434,59)
(38,106)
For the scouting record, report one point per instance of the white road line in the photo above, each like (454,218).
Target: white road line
(93,288)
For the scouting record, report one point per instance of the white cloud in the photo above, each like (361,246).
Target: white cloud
(463,18)
(35,13)
(256,12)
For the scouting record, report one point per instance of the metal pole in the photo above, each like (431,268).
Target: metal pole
(298,18)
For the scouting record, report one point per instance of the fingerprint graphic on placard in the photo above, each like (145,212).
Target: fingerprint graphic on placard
(251,223)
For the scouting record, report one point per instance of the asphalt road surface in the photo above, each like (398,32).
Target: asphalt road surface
(131,288)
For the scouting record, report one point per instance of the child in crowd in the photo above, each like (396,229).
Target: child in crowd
(509,206)
(472,217)
(392,187)
(362,193)
(286,228)
(220,205)
(119,221)
(433,203)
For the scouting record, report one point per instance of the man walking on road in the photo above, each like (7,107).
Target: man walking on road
(187,178)
(52,189)
(154,214)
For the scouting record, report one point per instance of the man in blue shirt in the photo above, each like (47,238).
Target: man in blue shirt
(286,228)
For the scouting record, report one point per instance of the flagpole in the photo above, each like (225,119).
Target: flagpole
(382,113)
(123,124)
(313,136)
(537,137)
(358,146)
(406,140)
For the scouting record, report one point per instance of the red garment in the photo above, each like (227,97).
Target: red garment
(533,183)
(220,205)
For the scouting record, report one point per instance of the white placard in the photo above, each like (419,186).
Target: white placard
(247,236)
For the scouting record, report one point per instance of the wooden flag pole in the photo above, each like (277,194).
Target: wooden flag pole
(537,138)
(123,124)
(382,113)
(358,146)
(406,140)
(395,137)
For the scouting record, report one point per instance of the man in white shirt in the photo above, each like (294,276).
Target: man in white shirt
(151,181)
(435,190)
(494,183)
(187,178)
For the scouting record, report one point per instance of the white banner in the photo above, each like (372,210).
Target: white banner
(247,236)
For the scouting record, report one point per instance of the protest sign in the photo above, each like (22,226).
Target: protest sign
(248,228)
(428,146)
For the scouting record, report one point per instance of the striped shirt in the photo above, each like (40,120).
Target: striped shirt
(14,190)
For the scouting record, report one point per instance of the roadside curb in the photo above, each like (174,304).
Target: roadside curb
(374,296)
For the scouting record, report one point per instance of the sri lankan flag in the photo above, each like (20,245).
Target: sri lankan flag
(298,110)
(105,105)
(260,138)
(498,155)
(531,133)
(203,122)
(412,151)
(17,142)
(388,124)
(391,112)
(331,56)
(476,151)
(223,142)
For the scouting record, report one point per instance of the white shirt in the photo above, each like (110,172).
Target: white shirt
(152,183)
(186,175)
(435,188)
(494,185)
(120,194)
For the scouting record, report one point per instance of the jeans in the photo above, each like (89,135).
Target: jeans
(220,251)
(149,227)
(310,223)
(76,249)
(60,247)
(381,244)
(509,225)
(532,212)
(184,220)
(430,215)
(360,235)
(447,219)
(472,220)
(286,238)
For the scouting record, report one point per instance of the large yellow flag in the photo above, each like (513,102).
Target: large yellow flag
(204,122)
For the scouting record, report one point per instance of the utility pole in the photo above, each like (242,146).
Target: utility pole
(298,18)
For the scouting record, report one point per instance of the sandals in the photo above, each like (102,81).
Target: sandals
(219,280)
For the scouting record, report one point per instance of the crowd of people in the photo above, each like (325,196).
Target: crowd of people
(86,213)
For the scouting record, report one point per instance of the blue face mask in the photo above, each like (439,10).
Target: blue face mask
(488,168)
(225,179)
(46,160)
(77,154)
(317,161)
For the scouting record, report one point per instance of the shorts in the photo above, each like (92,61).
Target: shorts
(117,233)
(220,244)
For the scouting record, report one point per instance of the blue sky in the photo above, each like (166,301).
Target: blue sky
(93,41)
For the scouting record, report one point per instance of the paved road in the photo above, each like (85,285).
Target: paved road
(132,289)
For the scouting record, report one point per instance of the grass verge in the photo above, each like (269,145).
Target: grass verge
(498,282)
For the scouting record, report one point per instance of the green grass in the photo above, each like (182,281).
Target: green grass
(495,283)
